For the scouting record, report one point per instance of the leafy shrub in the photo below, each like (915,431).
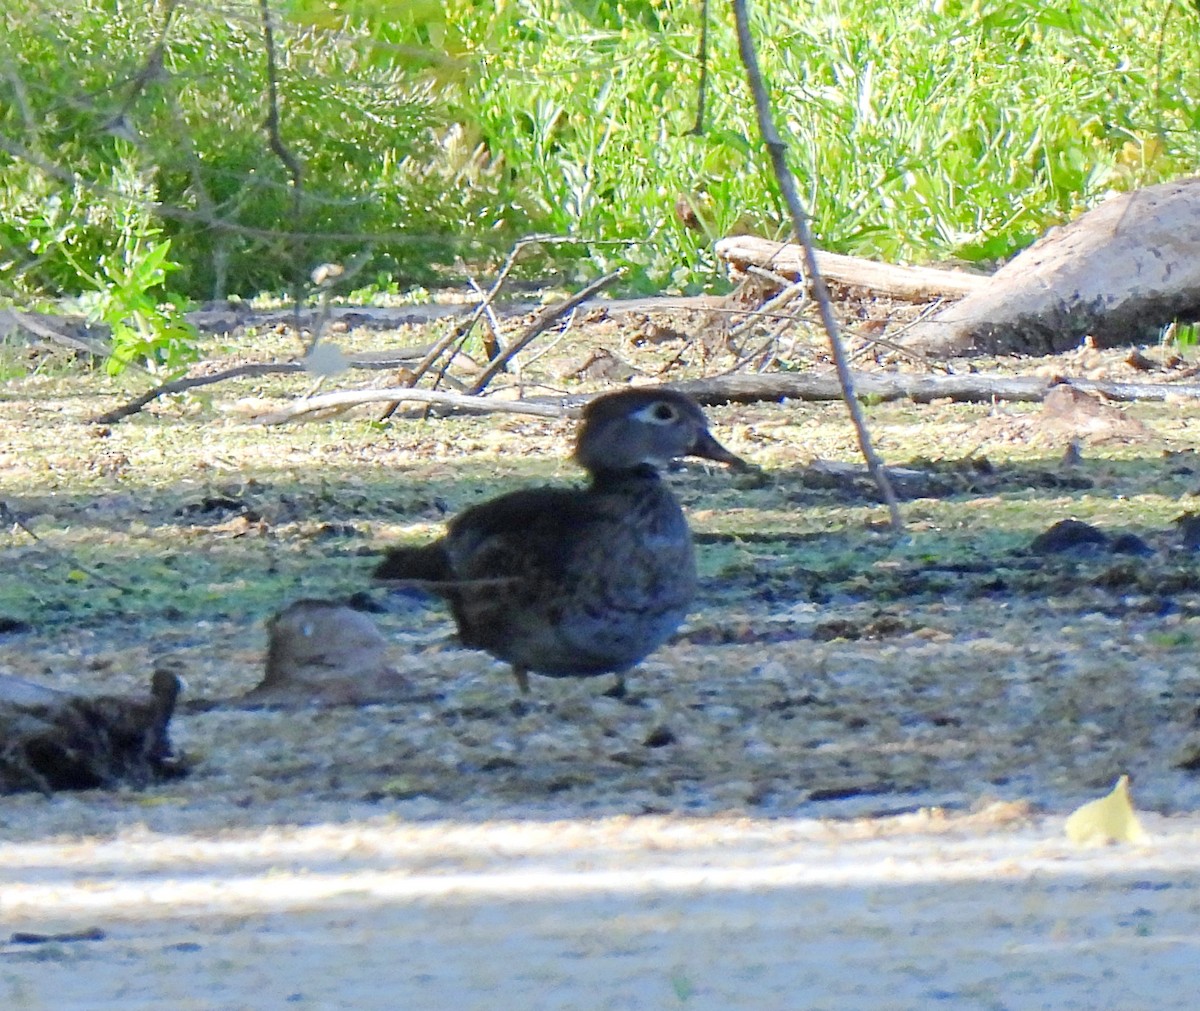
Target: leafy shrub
(381,166)
(921,130)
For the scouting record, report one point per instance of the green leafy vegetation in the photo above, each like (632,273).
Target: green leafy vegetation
(428,134)
(128,294)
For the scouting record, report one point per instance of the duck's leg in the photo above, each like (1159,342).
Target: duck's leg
(522,676)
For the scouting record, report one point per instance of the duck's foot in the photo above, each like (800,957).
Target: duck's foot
(618,690)
(522,676)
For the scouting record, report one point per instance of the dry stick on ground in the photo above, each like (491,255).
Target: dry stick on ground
(459,402)
(974,387)
(31,322)
(370,361)
(7,515)
(460,332)
(891,341)
(787,186)
(541,322)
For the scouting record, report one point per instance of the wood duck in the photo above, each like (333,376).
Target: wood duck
(575,582)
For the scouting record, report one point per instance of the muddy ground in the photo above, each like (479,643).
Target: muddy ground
(837,691)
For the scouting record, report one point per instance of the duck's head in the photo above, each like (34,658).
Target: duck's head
(643,427)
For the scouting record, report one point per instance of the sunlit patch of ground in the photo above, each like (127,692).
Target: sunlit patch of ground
(829,671)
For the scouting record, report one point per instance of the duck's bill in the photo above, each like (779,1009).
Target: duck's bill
(708,448)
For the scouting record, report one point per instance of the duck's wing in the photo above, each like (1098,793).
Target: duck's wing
(530,534)
(496,542)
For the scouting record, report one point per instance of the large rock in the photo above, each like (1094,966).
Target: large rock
(325,653)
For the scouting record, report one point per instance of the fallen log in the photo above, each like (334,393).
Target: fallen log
(914,284)
(1117,274)
(973,387)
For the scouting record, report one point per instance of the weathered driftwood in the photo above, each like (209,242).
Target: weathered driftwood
(52,740)
(1117,274)
(916,284)
(971,387)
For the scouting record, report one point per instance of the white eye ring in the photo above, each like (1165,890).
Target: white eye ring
(658,413)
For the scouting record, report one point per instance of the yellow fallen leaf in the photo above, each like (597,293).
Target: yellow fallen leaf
(1109,819)
(159,800)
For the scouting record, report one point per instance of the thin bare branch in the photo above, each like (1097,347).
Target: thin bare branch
(373,361)
(343,400)
(541,322)
(460,333)
(702,59)
(8,515)
(787,185)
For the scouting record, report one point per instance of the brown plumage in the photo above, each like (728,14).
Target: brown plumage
(574,582)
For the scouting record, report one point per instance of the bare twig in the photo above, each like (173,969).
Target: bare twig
(494,345)
(154,69)
(789,291)
(892,344)
(787,185)
(31,322)
(274,138)
(459,333)
(345,399)
(551,345)
(541,322)
(240,371)
(284,154)
(702,58)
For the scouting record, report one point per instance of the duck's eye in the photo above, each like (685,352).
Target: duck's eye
(663,412)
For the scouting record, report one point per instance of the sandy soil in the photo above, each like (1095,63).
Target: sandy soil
(991,911)
(841,786)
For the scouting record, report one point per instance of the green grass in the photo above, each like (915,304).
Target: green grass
(914,132)
(919,131)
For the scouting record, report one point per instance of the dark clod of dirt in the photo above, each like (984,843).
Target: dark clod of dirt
(881,626)
(1069,535)
(1188,526)
(1130,544)
(216,504)
(28,937)
(660,737)
(1188,757)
